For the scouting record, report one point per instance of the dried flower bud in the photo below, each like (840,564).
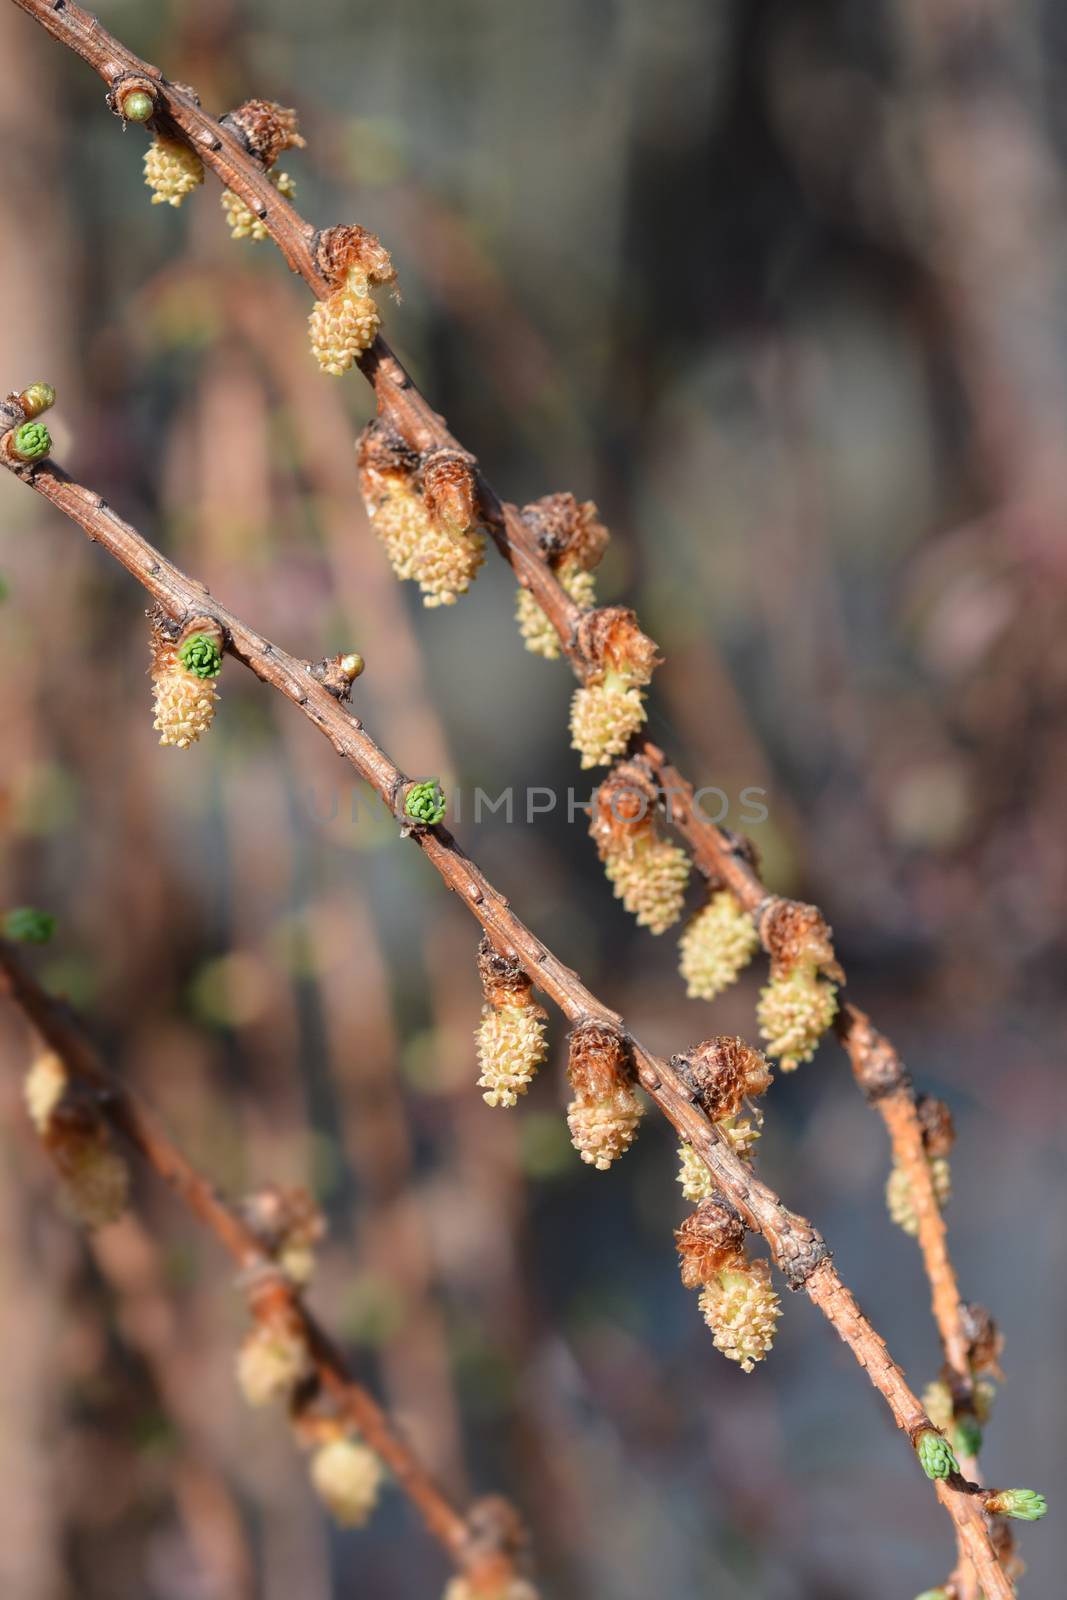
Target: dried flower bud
(443,565)
(346,322)
(718,944)
(171,170)
(511,1036)
(984,1338)
(900,1201)
(938,1129)
(572,540)
(347,1477)
(711,1238)
(722,1073)
(935,1454)
(610,641)
(495,1538)
(450,491)
(95,1185)
(609,709)
(567,530)
(338,673)
(271,1361)
(794,1011)
(340,250)
(1024,1504)
(649,873)
(503,978)
(511,1047)
(267,129)
(797,937)
(624,807)
(604,1115)
(289,1224)
(538,634)
(37,398)
(598,1058)
(242,221)
(27,925)
(742,1309)
(31,441)
(94,1177)
(184,695)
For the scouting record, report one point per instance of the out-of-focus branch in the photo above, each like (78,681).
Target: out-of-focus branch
(268,1289)
(795,1244)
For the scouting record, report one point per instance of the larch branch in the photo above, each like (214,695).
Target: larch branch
(407,413)
(796,1246)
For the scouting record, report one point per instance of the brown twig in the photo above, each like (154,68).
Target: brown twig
(797,1247)
(408,414)
(269,1290)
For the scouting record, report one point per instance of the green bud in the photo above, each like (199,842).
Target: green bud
(425,802)
(31,441)
(935,1455)
(933,1594)
(200,655)
(138,106)
(29,926)
(37,398)
(966,1435)
(1024,1504)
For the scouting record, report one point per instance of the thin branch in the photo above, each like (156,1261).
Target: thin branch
(268,1289)
(797,1247)
(407,412)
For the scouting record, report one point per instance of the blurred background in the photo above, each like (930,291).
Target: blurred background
(782,288)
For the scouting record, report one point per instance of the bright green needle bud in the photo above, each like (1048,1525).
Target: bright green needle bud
(966,1436)
(933,1594)
(37,398)
(31,441)
(935,1455)
(425,802)
(29,926)
(200,655)
(1025,1504)
(138,106)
